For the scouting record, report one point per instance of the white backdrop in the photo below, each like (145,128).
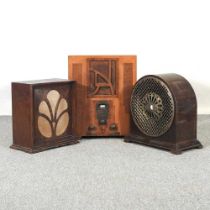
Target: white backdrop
(167,36)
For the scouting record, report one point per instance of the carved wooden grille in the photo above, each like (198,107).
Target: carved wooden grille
(102,77)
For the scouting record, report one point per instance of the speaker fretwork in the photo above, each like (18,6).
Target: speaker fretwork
(152,106)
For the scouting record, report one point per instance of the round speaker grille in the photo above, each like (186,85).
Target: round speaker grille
(152,106)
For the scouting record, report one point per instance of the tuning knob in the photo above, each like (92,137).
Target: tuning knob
(113,126)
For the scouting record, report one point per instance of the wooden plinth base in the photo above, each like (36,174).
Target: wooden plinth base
(35,149)
(173,148)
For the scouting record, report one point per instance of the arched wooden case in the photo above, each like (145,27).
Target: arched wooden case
(181,133)
(42,114)
(104,85)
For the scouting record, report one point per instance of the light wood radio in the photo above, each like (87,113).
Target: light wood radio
(103,90)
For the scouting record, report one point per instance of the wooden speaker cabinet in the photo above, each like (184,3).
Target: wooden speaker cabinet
(164,113)
(104,85)
(43,114)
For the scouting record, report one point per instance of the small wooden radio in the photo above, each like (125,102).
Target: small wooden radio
(164,113)
(43,114)
(104,85)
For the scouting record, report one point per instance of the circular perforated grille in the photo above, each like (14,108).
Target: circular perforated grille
(152,106)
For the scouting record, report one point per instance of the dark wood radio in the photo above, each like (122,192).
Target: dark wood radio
(43,114)
(104,85)
(164,113)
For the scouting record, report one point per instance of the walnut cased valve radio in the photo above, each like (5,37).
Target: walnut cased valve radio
(104,85)
(42,114)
